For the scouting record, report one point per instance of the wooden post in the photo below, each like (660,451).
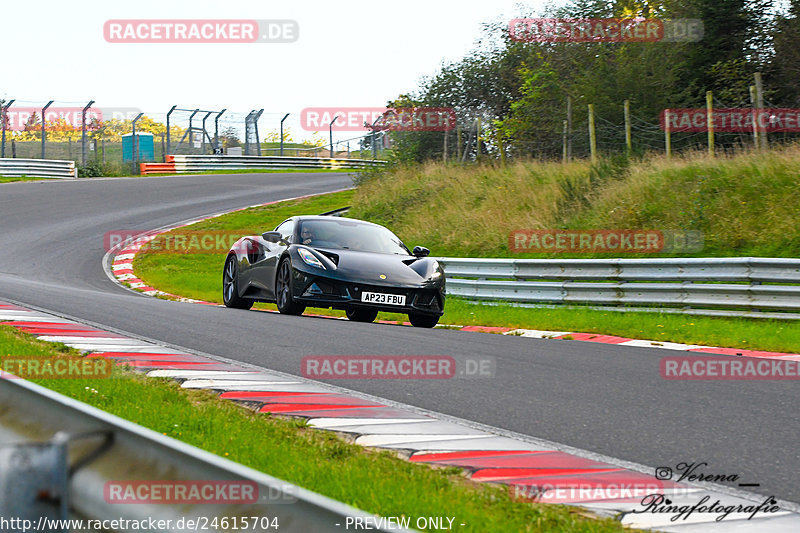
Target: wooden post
(710,122)
(628,143)
(569,128)
(762,134)
(444,151)
(501,148)
(458,143)
(667,134)
(564,154)
(592,135)
(753,100)
(478,139)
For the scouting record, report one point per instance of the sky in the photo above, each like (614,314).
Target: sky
(348,54)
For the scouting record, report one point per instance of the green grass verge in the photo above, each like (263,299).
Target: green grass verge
(378,482)
(4,179)
(262,171)
(199,276)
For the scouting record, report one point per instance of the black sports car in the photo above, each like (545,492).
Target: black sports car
(341,263)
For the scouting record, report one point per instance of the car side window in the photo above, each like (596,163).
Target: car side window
(286,230)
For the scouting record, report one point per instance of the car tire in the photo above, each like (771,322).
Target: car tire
(361,315)
(230,286)
(284,292)
(423,321)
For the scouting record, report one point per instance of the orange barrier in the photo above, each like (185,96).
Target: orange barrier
(157,168)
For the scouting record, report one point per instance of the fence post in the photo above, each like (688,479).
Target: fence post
(501,148)
(753,100)
(444,148)
(592,135)
(762,134)
(4,118)
(569,128)
(458,143)
(667,134)
(628,142)
(710,121)
(44,130)
(477,139)
(83,132)
(564,143)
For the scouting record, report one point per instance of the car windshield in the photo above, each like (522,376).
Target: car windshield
(350,235)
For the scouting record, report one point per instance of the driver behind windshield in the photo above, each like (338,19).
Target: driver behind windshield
(306,235)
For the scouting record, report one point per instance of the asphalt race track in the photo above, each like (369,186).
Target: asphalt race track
(603,398)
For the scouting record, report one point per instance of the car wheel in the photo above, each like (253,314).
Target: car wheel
(283,291)
(361,315)
(423,321)
(230,286)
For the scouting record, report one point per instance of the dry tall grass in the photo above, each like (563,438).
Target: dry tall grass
(746,204)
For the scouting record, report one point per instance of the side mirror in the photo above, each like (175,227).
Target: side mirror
(271,236)
(421,251)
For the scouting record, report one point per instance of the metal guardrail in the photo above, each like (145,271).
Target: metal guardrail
(737,285)
(37,168)
(202,163)
(36,481)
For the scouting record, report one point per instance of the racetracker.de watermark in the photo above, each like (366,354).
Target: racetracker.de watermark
(728,368)
(178,241)
(165,492)
(30,118)
(577,491)
(604,241)
(396,367)
(200,31)
(734,120)
(566,30)
(55,367)
(385,119)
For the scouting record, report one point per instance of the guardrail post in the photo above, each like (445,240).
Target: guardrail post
(44,130)
(4,119)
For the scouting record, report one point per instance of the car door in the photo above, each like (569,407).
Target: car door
(263,270)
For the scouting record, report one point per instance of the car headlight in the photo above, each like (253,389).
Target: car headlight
(309,258)
(437,271)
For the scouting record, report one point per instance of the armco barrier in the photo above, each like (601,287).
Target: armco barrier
(737,286)
(38,168)
(68,475)
(203,163)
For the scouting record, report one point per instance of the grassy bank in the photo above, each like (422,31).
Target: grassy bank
(378,482)
(745,205)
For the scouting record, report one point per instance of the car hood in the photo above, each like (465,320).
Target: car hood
(368,267)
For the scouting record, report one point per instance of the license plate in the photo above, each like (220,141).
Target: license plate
(383,298)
